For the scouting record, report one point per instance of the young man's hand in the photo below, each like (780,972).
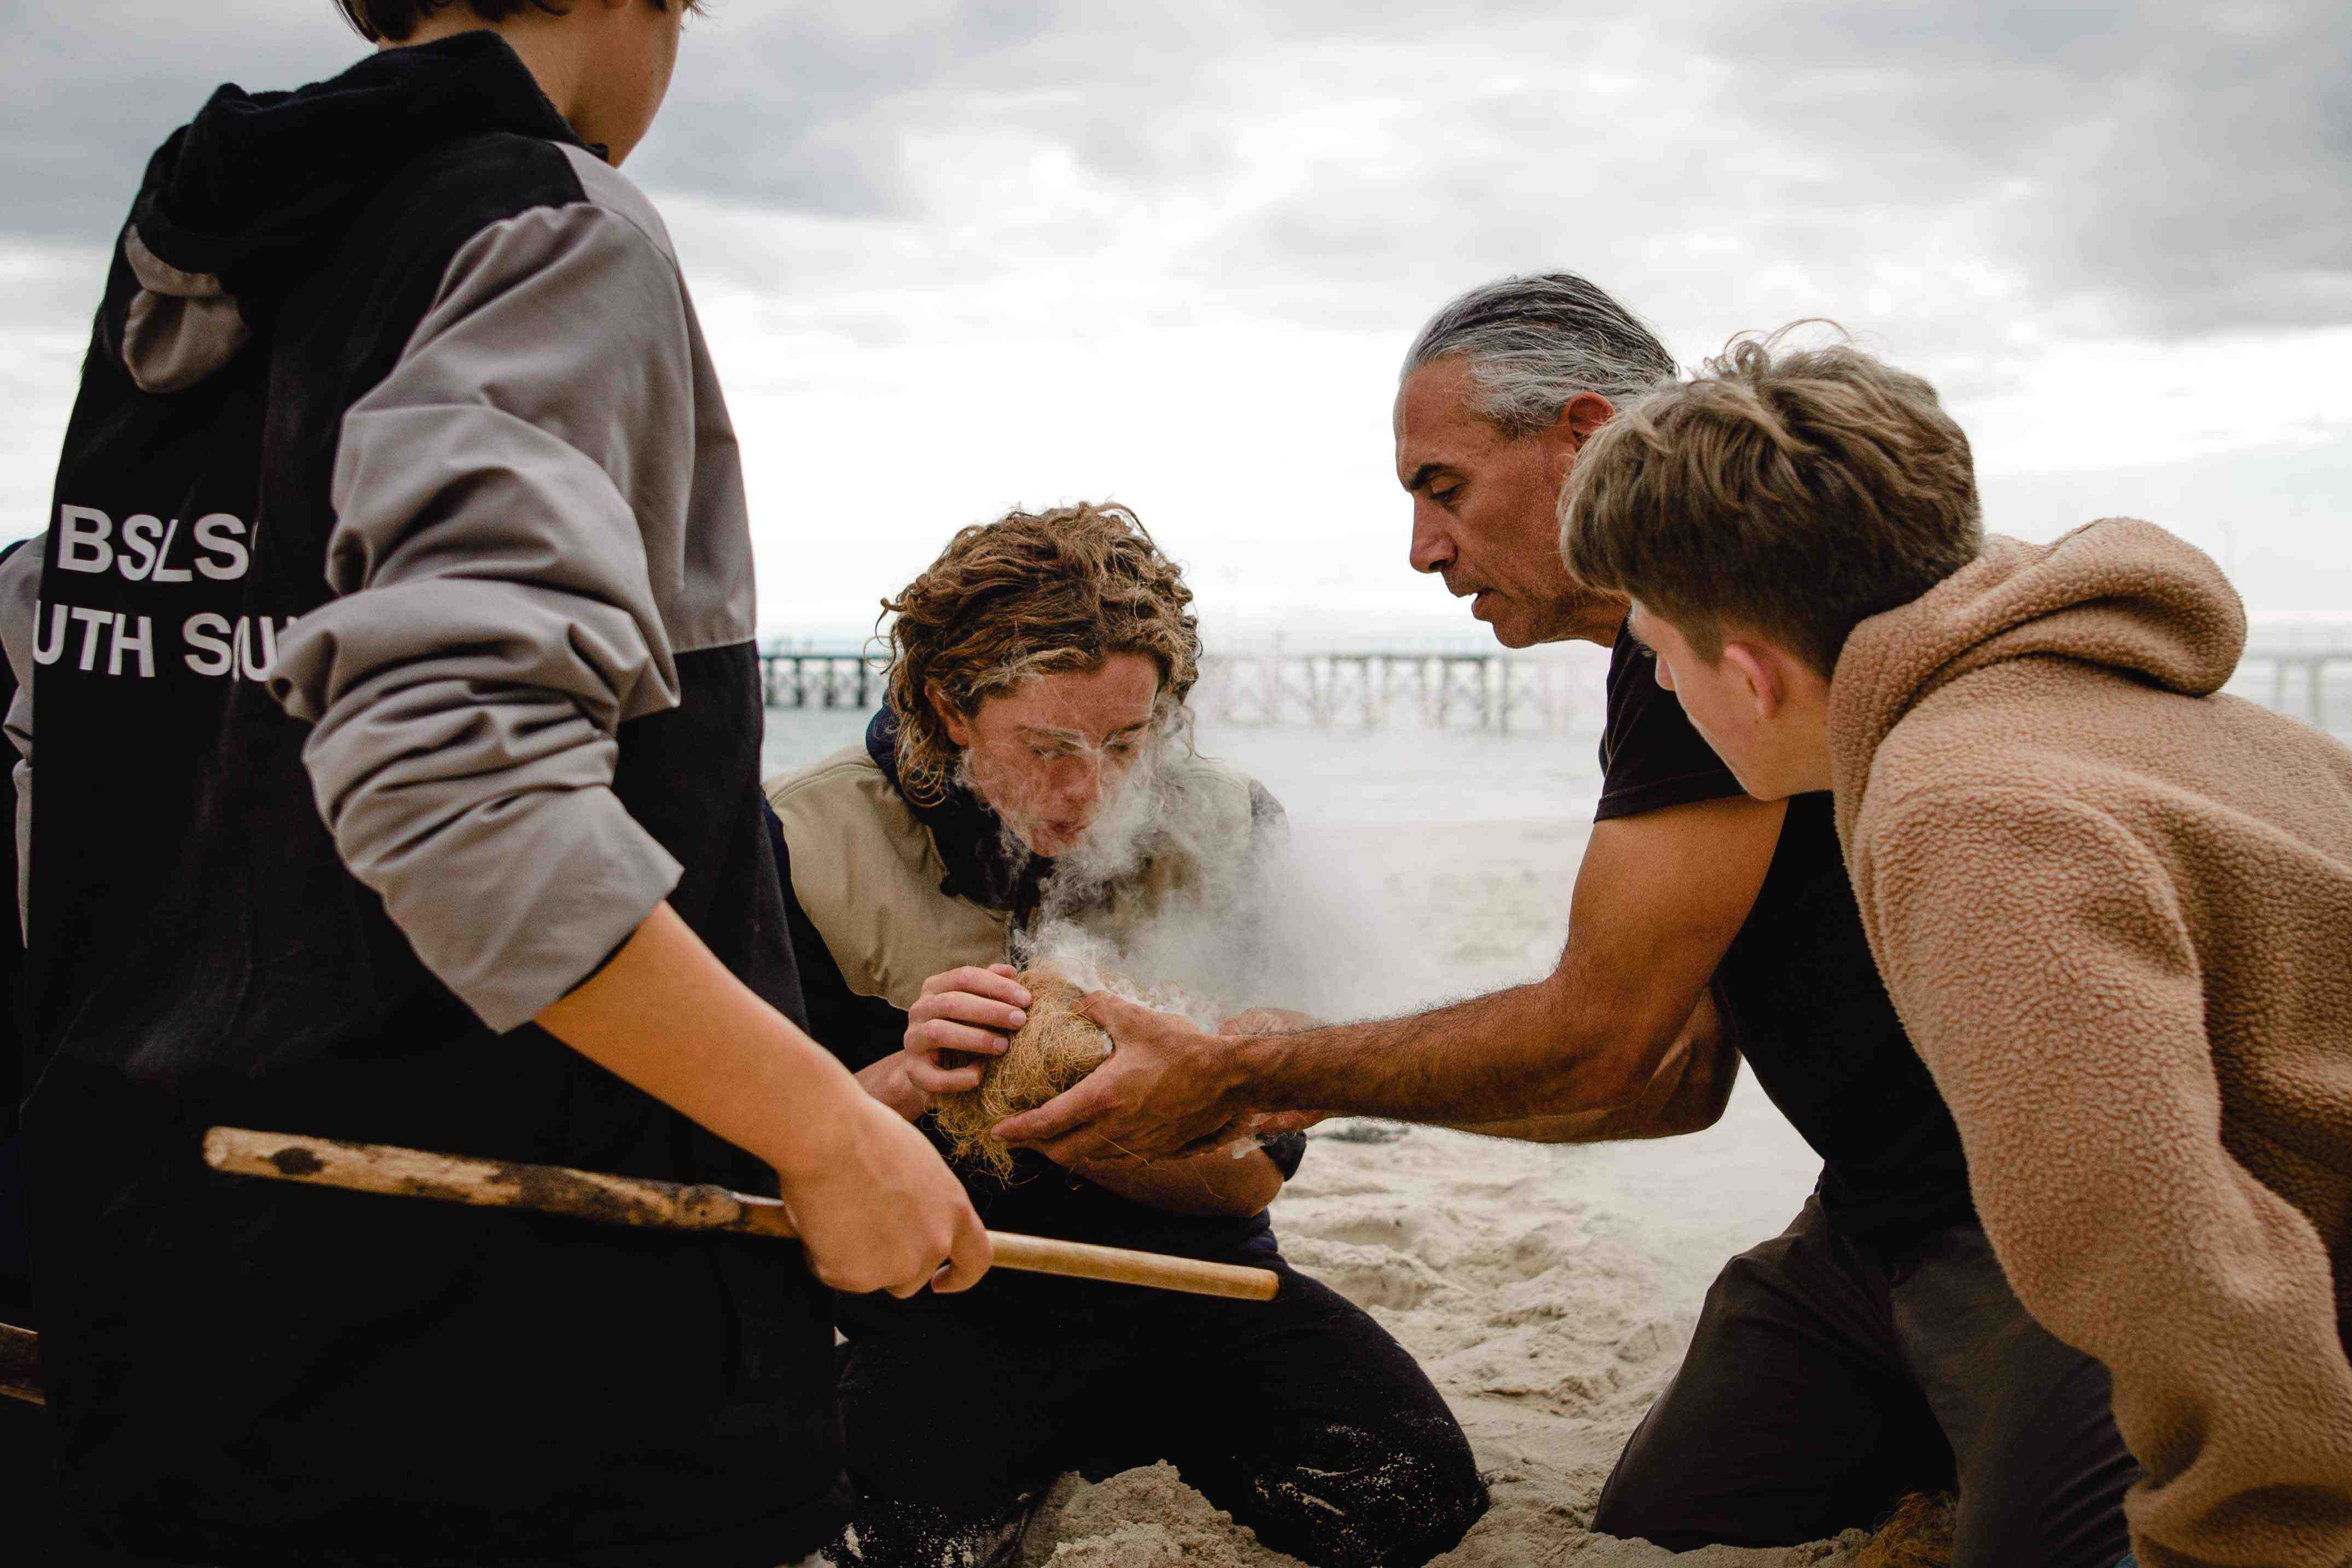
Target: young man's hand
(877,1207)
(887,1082)
(961,1012)
(879,1210)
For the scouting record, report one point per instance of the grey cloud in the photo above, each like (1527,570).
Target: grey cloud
(2174,177)
(805,107)
(2176,169)
(2166,169)
(785,105)
(87,89)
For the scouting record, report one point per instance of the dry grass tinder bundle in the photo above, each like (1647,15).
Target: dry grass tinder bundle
(1917,1535)
(1052,1050)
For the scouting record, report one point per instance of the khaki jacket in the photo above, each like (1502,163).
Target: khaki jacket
(867,873)
(2113,908)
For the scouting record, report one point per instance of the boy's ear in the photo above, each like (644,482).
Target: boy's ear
(1760,672)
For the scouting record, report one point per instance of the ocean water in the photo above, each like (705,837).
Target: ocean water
(1397,776)
(1409,774)
(795,737)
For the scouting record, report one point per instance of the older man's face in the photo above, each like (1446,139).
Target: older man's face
(1486,510)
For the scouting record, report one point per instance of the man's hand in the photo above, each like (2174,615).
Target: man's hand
(1169,1088)
(879,1210)
(961,1012)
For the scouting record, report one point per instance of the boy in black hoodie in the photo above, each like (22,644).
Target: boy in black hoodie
(390,659)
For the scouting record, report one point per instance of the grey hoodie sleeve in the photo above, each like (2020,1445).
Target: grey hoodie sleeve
(20,596)
(496,621)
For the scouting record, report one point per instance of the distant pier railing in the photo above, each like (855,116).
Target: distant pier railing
(820,680)
(2295,681)
(2301,669)
(1378,690)
(1367,691)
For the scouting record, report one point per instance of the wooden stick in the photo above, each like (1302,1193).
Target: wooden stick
(666,1205)
(20,1364)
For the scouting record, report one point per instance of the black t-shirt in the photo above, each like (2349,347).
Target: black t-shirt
(1798,988)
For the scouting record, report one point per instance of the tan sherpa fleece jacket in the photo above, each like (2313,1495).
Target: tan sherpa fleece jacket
(2115,911)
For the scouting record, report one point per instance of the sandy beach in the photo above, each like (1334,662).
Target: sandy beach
(1549,1294)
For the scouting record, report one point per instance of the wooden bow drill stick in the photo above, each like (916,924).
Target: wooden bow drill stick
(666,1205)
(20,1364)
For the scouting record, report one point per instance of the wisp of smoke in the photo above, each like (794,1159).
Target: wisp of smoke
(1176,899)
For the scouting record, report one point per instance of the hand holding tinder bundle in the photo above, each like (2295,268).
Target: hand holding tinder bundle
(1052,1050)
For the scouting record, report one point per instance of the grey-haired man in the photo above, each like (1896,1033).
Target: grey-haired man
(1870,1349)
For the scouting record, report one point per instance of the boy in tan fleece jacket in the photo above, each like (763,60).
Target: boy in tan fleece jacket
(2112,906)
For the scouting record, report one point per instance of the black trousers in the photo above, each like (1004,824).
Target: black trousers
(1826,1379)
(1299,1416)
(31,1520)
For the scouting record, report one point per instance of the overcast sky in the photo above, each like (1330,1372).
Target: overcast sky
(956,256)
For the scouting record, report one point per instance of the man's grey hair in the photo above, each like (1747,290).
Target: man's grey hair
(1534,342)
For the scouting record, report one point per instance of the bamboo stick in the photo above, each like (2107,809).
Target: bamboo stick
(20,1364)
(666,1205)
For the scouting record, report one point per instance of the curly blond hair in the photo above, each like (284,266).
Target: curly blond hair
(1031,594)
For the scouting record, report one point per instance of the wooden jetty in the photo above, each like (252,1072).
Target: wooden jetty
(1374,689)
(2289,666)
(1357,690)
(792,679)
(2302,669)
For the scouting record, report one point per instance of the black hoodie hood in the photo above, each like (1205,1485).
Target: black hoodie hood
(243,201)
(259,181)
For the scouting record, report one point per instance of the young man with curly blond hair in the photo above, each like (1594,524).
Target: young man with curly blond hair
(2113,905)
(1032,770)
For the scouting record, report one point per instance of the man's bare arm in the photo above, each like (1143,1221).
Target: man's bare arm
(1657,900)
(1686,1094)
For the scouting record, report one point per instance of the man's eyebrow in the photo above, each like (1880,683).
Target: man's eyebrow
(1421,476)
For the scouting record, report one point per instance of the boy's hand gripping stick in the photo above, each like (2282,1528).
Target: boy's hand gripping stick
(665,1206)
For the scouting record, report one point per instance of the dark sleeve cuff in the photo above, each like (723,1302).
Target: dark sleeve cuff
(1656,794)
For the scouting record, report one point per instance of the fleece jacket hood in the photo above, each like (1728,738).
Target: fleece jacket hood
(2118,593)
(246,200)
